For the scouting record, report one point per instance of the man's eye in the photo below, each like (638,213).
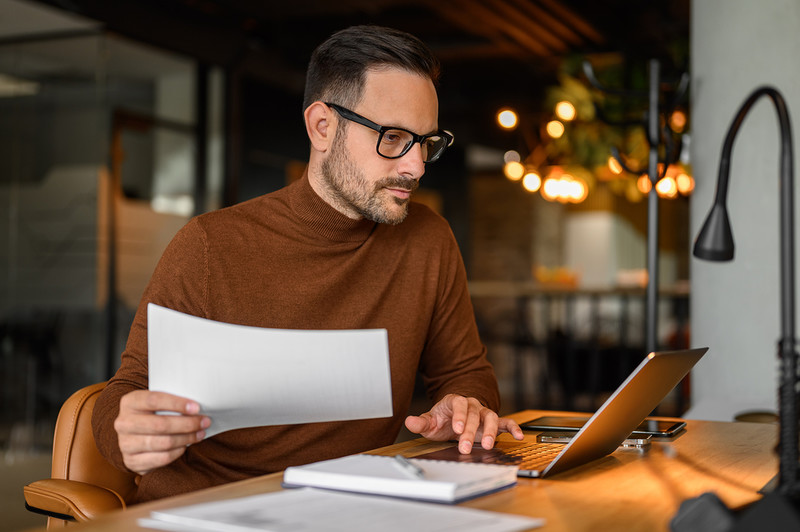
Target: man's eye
(392,137)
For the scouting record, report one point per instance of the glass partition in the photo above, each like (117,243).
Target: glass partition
(97,173)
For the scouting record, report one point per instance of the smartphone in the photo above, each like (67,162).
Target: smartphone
(640,441)
(662,427)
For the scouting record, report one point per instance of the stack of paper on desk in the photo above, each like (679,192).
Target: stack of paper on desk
(380,475)
(307,510)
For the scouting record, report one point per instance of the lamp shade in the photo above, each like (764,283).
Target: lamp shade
(715,240)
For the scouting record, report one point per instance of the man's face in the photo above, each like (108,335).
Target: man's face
(359,182)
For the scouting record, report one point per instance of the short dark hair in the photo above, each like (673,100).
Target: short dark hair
(338,67)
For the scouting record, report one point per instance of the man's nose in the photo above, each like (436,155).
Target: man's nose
(412,164)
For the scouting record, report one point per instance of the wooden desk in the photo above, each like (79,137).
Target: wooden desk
(624,491)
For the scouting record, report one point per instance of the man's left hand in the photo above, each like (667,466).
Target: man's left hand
(464,418)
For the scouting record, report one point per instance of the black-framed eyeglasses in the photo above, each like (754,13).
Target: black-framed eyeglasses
(394,142)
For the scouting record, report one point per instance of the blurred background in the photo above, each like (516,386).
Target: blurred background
(121,120)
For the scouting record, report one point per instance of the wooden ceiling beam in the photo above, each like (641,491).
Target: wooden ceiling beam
(573,20)
(486,16)
(525,23)
(474,26)
(544,18)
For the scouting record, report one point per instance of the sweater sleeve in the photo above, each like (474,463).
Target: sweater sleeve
(179,282)
(454,359)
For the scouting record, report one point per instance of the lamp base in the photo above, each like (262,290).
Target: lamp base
(770,486)
(707,513)
(774,512)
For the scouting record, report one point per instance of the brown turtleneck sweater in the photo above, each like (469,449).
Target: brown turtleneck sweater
(289,260)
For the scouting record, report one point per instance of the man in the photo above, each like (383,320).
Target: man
(342,248)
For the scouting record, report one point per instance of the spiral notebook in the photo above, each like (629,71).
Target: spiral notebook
(440,481)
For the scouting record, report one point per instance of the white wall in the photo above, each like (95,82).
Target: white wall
(590,248)
(599,244)
(737,46)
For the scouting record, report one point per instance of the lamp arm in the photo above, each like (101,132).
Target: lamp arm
(711,244)
(789,482)
(786,194)
(786,141)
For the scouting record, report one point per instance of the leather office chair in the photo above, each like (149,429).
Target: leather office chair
(83,483)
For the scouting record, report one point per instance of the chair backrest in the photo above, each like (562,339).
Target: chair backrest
(75,454)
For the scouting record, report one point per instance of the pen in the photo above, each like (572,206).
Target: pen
(409,469)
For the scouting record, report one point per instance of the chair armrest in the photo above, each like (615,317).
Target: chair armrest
(71,498)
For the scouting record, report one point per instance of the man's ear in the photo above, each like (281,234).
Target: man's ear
(320,125)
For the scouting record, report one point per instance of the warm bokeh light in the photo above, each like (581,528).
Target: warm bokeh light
(514,170)
(511,156)
(685,184)
(643,184)
(555,129)
(578,191)
(564,188)
(666,187)
(678,121)
(614,166)
(550,189)
(565,111)
(531,182)
(507,119)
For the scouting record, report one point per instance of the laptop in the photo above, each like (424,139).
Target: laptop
(606,430)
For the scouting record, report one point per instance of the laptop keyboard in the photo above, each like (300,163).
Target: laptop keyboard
(532,456)
(529,456)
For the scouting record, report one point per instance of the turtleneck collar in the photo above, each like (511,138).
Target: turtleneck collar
(324,219)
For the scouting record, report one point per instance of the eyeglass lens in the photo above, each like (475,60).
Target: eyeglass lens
(396,142)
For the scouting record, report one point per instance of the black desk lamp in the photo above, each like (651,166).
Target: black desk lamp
(715,242)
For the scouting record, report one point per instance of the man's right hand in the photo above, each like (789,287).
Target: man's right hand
(149,440)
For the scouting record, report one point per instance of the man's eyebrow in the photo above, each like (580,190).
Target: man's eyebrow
(432,132)
(392,125)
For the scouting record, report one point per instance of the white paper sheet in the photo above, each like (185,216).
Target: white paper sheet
(249,376)
(306,510)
